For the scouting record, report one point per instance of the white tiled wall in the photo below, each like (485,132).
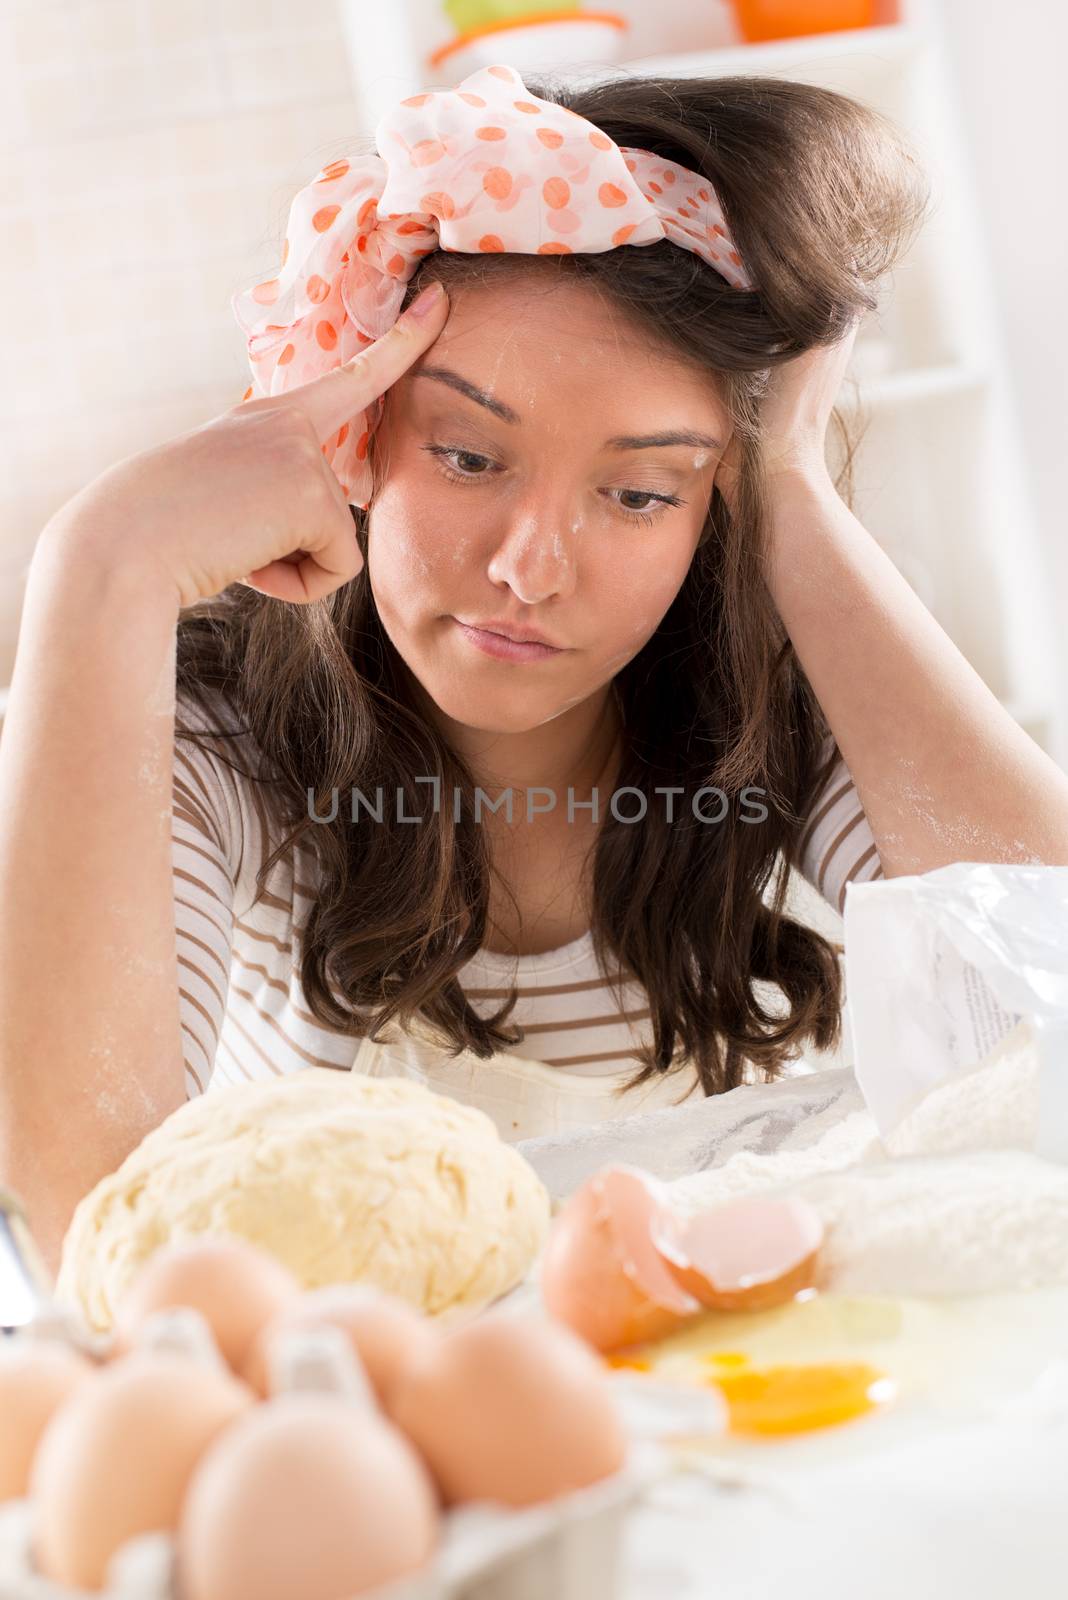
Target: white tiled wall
(151,152)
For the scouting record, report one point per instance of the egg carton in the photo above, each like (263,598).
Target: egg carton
(569,1548)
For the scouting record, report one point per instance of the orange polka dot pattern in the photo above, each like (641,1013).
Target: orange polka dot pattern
(486,166)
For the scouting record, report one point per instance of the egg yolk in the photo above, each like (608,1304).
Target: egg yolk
(795,1399)
(623,1363)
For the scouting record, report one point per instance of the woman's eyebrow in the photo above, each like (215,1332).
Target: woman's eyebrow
(626,441)
(655,441)
(462,386)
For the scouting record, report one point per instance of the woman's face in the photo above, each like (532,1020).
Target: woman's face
(545,503)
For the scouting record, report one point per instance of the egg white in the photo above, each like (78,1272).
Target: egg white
(953,1359)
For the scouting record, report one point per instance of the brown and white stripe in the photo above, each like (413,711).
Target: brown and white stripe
(837,845)
(243,1012)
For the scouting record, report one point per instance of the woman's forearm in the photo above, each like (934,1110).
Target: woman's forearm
(943,772)
(90,1042)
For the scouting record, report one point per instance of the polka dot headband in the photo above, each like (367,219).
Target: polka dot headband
(486,166)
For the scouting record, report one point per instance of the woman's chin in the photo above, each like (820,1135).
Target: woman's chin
(518,713)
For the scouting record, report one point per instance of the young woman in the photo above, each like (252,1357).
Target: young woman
(616,450)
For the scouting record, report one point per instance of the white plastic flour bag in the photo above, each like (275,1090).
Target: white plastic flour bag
(941,966)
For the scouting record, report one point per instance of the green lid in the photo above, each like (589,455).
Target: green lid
(467,15)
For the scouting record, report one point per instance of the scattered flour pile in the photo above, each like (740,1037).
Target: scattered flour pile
(952,1203)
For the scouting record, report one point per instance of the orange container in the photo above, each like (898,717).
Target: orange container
(785,19)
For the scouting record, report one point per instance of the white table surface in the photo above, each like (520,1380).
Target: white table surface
(975,1509)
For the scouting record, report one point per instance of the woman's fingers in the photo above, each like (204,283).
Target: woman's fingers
(335,398)
(328,403)
(299,582)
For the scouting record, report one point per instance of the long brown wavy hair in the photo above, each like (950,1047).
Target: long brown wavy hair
(821,195)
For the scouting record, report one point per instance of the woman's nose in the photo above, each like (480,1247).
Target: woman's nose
(537,555)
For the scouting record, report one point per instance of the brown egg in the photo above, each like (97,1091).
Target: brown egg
(36,1378)
(511,1408)
(308,1495)
(116,1459)
(603,1272)
(234,1285)
(385,1332)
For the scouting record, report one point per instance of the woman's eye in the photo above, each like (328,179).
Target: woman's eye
(464,458)
(647,495)
(463,472)
(450,453)
(659,502)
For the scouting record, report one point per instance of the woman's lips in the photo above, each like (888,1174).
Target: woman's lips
(495,644)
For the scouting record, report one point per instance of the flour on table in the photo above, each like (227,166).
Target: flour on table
(954,1202)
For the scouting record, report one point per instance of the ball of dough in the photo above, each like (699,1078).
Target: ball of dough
(343,1178)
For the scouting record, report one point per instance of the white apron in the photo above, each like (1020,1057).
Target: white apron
(523,1097)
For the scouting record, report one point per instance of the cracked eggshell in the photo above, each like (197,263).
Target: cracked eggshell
(746,1255)
(603,1273)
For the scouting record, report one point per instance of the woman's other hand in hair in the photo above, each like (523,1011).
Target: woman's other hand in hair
(795,414)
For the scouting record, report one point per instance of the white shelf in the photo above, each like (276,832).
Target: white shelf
(911,386)
(788,57)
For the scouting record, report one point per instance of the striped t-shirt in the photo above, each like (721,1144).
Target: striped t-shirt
(243,1012)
